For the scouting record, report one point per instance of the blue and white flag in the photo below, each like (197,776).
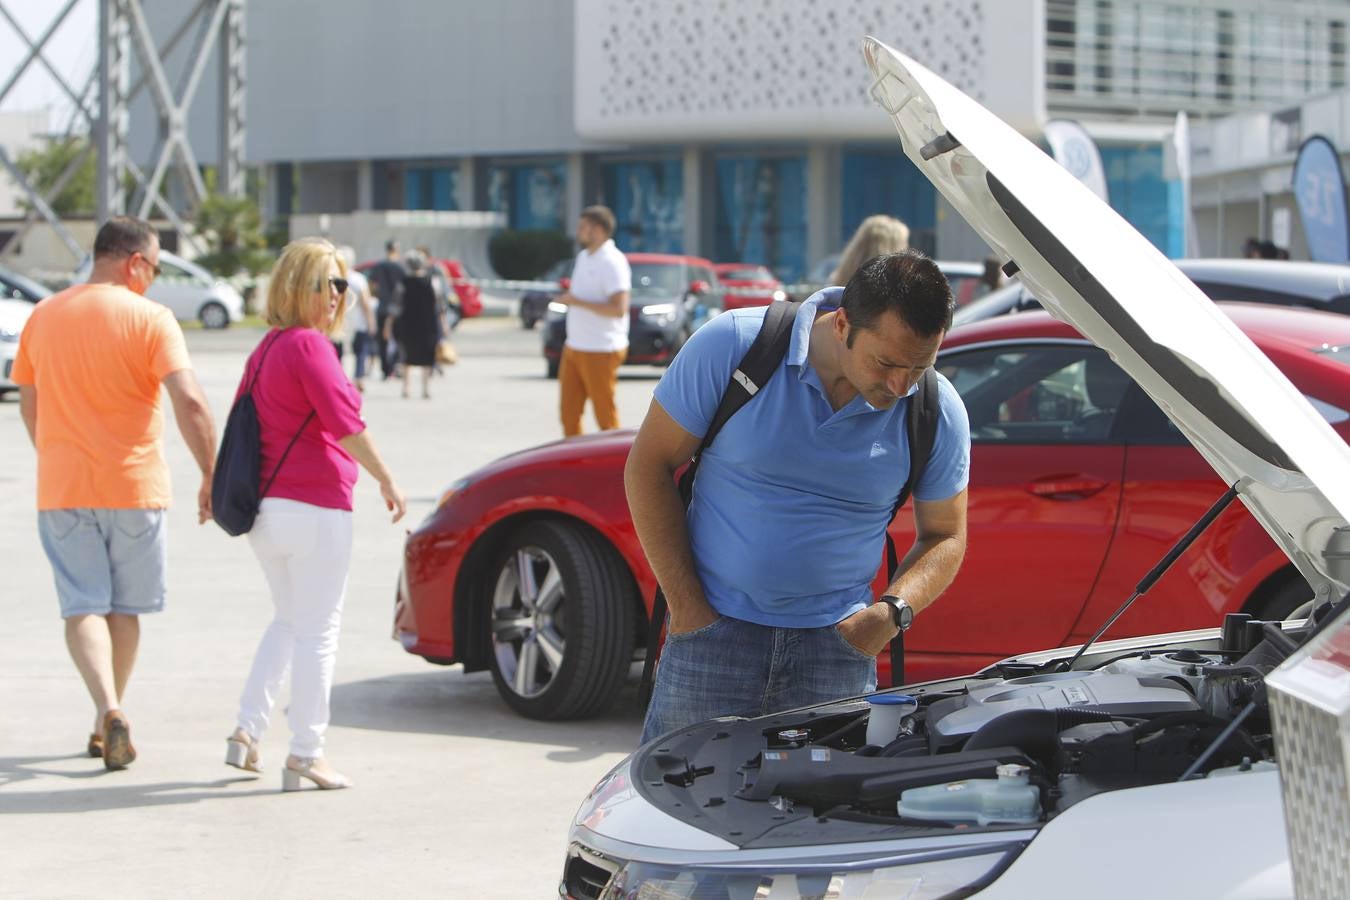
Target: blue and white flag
(1319,189)
(1074,149)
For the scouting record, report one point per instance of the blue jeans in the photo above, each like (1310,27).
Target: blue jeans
(363,345)
(738,668)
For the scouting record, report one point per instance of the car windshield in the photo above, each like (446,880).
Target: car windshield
(659,278)
(747,273)
(1336,354)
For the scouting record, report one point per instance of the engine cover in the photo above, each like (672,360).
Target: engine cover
(1120,694)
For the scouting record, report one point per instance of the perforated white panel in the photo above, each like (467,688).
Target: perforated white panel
(719,67)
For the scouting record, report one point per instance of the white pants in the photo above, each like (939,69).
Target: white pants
(305,552)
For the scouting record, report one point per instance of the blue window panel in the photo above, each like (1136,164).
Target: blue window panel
(760,213)
(1134,177)
(647,197)
(885,182)
(533,195)
(430,187)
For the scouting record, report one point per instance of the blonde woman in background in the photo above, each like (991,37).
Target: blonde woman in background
(875,236)
(303,534)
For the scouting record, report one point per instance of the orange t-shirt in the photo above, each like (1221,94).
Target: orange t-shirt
(97,354)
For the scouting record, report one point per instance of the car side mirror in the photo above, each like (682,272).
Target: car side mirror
(565,283)
(699,286)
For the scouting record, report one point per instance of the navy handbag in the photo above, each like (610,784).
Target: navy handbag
(234,486)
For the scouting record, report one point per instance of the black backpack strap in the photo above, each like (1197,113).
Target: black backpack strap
(921,422)
(303,425)
(756,367)
(267,347)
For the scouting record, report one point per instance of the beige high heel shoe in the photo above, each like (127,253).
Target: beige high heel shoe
(315,770)
(241,751)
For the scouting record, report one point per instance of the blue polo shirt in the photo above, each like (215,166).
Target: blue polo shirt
(788,521)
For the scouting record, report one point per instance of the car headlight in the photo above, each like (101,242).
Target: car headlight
(927,879)
(660,313)
(780,295)
(446,495)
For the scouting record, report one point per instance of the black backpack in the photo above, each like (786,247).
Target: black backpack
(760,362)
(234,486)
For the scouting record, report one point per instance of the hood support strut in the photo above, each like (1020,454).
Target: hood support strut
(1163,565)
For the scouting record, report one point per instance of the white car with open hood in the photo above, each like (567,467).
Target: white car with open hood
(1203,764)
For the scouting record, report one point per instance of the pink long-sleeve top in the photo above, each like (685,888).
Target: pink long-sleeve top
(301,374)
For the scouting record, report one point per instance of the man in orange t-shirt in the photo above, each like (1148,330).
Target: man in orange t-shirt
(90,364)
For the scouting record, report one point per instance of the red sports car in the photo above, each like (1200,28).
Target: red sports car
(530,567)
(748,284)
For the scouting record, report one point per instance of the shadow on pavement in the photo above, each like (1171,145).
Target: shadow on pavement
(449,702)
(96,796)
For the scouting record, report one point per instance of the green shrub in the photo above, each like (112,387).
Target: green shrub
(527,254)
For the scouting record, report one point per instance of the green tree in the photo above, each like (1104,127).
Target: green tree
(43,166)
(232,229)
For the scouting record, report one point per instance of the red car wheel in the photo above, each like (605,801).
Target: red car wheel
(561,622)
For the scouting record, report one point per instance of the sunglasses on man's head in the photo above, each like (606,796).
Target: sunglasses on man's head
(340,284)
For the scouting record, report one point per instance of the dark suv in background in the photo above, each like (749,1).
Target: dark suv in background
(672,297)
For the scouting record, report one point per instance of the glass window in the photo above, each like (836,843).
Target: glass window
(749,273)
(647,197)
(171,274)
(430,187)
(884,181)
(658,278)
(533,195)
(761,212)
(1037,394)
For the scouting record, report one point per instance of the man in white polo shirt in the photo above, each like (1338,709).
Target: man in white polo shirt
(597,324)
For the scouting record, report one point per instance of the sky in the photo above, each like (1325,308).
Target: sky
(72,50)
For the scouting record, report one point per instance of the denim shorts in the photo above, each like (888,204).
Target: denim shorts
(737,668)
(106,560)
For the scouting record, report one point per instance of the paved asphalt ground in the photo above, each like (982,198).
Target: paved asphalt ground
(455,795)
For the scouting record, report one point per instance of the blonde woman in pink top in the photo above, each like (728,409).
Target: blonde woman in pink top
(303,533)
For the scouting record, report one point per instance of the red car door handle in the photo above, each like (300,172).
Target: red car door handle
(1066,488)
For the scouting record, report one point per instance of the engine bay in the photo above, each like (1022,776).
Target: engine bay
(1010,748)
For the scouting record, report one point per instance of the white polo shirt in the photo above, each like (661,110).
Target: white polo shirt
(595,277)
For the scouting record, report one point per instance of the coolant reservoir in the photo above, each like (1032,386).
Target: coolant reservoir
(1011,799)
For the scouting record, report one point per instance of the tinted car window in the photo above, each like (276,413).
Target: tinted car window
(171,274)
(1237,292)
(750,273)
(1037,393)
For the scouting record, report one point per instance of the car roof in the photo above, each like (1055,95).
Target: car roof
(1262,323)
(1318,282)
(668,259)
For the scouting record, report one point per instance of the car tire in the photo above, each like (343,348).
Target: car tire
(552,367)
(214,315)
(1282,601)
(561,648)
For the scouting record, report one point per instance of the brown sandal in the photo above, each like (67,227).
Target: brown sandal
(95,746)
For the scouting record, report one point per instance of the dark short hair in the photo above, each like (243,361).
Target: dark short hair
(391,246)
(600,215)
(906,283)
(123,236)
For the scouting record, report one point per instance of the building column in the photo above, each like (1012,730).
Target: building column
(691,188)
(576,187)
(823,213)
(466,184)
(365,184)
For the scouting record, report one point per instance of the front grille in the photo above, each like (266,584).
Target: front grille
(583,879)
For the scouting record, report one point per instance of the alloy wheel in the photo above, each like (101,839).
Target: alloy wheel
(528,638)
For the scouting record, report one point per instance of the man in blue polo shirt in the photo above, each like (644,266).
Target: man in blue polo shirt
(769,575)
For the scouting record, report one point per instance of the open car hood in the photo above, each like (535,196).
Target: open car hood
(1092,269)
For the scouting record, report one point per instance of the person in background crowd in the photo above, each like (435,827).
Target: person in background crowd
(89,369)
(414,328)
(874,236)
(597,324)
(439,277)
(361,312)
(991,279)
(386,281)
(303,534)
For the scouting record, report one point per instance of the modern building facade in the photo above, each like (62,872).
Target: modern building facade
(737,131)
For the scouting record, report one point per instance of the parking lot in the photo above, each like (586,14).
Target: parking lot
(454,794)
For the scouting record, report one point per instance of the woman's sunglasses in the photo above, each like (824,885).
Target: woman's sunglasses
(339,284)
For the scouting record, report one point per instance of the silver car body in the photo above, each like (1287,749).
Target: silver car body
(1217,836)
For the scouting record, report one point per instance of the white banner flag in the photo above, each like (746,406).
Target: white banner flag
(1074,149)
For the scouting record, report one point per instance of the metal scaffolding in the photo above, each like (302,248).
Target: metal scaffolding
(123,35)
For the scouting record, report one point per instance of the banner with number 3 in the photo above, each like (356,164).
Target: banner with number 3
(1319,189)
